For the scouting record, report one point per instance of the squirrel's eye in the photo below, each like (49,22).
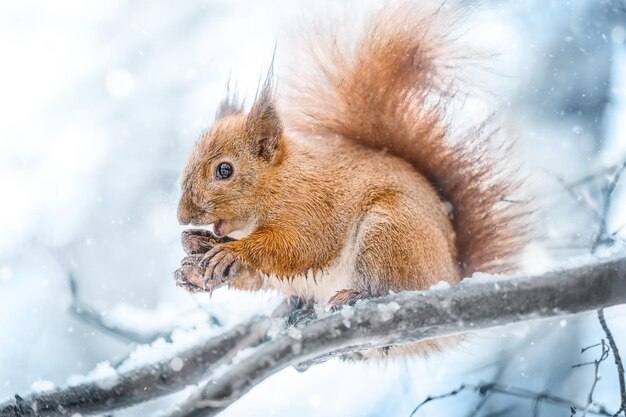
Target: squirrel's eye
(224,170)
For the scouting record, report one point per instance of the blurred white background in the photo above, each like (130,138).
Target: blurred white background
(100,104)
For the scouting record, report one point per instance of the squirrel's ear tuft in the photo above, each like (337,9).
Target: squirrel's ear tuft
(263,122)
(230,104)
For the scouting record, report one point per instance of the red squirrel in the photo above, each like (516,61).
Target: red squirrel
(352,183)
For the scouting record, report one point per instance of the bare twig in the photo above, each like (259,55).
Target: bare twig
(92,317)
(537,404)
(452,393)
(594,176)
(537,397)
(602,234)
(603,356)
(618,361)
(580,199)
(503,412)
(484,398)
(604,180)
(596,376)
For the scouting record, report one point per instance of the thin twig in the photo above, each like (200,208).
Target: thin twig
(537,404)
(604,354)
(503,412)
(94,318)
(579,199)
(484,388)
(452,393)
(618,361)
(602,234)
(484,398)
(596,376)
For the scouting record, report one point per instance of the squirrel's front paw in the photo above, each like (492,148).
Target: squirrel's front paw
(196,241)
(190,276)
(220,267)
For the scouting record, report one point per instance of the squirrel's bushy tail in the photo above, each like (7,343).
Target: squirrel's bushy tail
(389,88)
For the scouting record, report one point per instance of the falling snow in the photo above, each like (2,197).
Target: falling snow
(104,101)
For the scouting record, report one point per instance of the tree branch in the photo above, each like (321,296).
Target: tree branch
(470,305)
(145,383)
(399,318)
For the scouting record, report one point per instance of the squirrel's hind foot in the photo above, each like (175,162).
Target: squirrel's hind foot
(346,297)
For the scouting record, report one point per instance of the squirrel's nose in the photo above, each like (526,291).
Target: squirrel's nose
(184,218)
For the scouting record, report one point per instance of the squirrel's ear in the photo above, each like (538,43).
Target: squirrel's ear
(263,122)
(265,129)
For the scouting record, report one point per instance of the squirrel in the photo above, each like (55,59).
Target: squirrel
(353,183)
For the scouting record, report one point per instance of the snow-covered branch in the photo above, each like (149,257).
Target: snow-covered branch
(145,383)
(399,318)
(408,317)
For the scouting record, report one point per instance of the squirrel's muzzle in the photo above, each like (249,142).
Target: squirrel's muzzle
(186,211)
(183,218)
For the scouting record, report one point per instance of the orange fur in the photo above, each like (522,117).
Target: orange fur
(347,186)
(390,90)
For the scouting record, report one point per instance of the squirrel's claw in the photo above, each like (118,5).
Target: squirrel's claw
(346,297)
(206,272)
(189,275)
(200,241)
(188,286)
(220,267)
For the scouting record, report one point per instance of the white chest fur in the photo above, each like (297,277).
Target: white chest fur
(322,285)
(318,287)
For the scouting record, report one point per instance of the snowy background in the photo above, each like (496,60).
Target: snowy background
(100,104)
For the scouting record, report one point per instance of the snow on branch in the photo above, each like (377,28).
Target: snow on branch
(145,383)
(399,318)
